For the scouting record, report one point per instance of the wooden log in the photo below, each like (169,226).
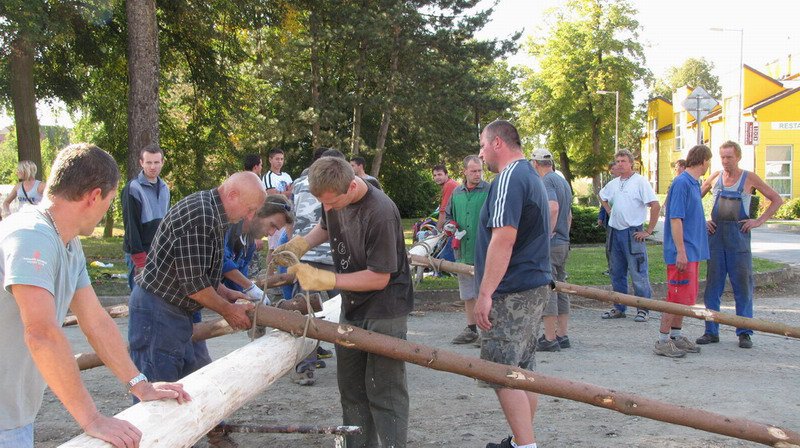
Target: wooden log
(275,280)
(288,429)
(762,325)
(516,378)
(113,311)
(217,389)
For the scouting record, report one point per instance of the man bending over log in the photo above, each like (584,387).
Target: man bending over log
(512,267)
(43,271)
(369,255)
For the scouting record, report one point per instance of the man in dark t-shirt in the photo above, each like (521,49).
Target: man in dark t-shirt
(512,267)
(369,255)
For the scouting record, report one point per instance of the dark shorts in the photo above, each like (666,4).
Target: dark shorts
(515,321)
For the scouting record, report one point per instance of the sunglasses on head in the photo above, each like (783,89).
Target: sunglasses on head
(285,206)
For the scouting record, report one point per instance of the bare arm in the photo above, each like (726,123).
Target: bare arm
(42,184)
(655,208)
(676,225)
(316,236)
(553,215)
(606,206)
(365,280)
(498,256)
(237,277)
(709,183)
(10,198)
(775,202)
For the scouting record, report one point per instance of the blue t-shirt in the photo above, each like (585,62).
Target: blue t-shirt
(684,202)
(517,198)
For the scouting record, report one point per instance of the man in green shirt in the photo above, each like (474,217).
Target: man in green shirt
(464,208)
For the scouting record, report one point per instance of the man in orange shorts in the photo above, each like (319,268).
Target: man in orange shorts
(685,245)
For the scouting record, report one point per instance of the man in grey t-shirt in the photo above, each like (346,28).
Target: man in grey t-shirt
(559,194)
(43,271)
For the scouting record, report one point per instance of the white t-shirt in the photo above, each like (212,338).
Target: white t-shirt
(279,182)
(628,199)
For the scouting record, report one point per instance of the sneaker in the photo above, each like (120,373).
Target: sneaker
(320,364)
(324,354)
(543,345)
(745,341)
(668,349)
(563,342)
(477,342)
(221,440)
(641,316)
(505,443)
(613,313)
(683,343)
(467,336)
(707,338)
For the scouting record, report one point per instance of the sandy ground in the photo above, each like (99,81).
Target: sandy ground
(761,384)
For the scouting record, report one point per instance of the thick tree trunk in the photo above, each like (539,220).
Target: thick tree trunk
(23,100)
(108,228)
(388,106)
(143,72)
(597,151)
(315,81)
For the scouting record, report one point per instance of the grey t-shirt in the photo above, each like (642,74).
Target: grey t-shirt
(307,213)
(369,235)
(558,190)
(31,253)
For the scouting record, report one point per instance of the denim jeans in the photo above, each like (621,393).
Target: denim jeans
(160,338)
(21,437)
(373,388)
(628,257)
(730,257)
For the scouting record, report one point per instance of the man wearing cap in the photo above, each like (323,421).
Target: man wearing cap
(559,195)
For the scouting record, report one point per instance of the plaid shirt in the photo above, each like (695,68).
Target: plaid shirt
(186,254)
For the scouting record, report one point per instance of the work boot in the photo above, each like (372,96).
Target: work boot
(324,354)
(298,303)
(668,349)
(465,337)
(683,343)
(745,341)
(707,338)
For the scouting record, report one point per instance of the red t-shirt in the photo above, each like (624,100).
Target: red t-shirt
(447,191)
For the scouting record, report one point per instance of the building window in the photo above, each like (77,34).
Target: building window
(678,132)
(779,169)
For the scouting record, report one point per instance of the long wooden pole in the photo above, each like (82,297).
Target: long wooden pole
(113,311)
(516,378)
(765,326)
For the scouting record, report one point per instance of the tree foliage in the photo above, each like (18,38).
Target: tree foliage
(694,72)
(591,46)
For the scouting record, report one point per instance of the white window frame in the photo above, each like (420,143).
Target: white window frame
(767,177)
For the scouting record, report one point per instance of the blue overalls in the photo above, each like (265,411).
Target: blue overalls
(730,254)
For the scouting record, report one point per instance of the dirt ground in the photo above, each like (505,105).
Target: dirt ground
(761,384)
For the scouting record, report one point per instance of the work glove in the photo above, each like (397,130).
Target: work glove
(255,294)
(297,245)
(313,279)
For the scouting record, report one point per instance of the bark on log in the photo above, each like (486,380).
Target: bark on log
(274,280)
(113,311)
(512,377)
(214,395)
(762,325)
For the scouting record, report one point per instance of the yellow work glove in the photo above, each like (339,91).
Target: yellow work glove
(297,245)
(313,279)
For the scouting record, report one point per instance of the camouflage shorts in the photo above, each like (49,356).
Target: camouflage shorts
(515,321)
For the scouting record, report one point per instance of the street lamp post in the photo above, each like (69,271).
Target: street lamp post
(741,79)
(616,116)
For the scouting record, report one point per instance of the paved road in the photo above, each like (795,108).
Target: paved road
(772,244)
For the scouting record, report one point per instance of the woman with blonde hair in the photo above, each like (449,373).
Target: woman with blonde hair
(28,191)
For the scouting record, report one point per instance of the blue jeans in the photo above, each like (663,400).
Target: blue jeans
(160,338)
(21,437)
(285,290)
(628,257)
(730,257)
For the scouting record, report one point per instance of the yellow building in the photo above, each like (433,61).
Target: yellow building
(769,126)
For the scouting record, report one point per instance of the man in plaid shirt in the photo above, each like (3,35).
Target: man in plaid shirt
(183,274)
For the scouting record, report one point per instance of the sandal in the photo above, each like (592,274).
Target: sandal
(613,313)
(641,316)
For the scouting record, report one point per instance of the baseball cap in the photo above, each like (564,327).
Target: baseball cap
(541,154)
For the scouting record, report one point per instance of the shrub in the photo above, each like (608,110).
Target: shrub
(584,226)
(789,210)
(414,191)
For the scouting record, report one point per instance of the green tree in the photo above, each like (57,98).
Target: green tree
(694,72)
(591,46)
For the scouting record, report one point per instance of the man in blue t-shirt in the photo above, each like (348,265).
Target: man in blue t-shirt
(685,245)
(512,267)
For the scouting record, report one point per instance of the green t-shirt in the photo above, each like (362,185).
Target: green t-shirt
(465,209)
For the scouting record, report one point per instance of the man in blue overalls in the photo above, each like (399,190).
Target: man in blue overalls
(729,238)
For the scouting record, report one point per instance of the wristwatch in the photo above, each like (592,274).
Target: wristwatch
(136,380)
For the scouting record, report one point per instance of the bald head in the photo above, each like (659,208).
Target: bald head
(242,195)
